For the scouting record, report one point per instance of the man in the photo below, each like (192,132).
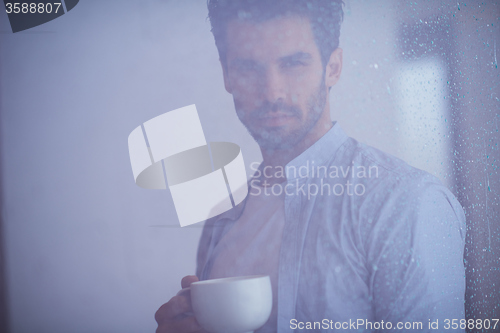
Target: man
(377,245)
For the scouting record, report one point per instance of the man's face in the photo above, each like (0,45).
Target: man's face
(276,77)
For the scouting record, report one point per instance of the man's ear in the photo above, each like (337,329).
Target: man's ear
(333,68)
(227,85)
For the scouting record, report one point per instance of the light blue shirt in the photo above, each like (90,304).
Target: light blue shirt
(390,249)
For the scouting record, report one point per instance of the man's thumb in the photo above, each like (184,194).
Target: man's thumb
(187,280)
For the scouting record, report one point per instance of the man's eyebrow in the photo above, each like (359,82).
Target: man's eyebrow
(298,56)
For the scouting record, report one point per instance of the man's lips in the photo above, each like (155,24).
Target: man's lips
(275,115)
(275,118)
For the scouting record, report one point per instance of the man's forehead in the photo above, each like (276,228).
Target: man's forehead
(276,36)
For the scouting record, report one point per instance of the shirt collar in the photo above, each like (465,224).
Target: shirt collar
(318,154)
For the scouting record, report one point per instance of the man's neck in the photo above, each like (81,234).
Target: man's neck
(278,159)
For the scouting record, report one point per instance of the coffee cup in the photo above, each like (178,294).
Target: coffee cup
(232,305)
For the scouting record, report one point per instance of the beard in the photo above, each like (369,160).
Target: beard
(277,137)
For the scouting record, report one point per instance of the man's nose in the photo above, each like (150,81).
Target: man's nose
(273,86)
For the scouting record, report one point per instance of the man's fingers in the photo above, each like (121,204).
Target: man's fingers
(174,307)
(188,324)
(185,325)
(187,280)
(174,315)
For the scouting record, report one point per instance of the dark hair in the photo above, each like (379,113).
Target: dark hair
(325,17)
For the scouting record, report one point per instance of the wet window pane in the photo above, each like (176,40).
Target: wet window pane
(83,245)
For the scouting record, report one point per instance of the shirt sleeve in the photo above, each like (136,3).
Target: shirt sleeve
(204,247)
(415,257)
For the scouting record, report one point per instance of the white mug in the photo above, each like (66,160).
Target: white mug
(232,305)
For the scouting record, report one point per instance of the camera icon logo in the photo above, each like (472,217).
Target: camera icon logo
(205,179)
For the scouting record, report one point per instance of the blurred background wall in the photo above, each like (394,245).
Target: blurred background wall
(86,250)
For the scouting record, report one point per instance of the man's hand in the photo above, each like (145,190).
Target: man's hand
(172,316)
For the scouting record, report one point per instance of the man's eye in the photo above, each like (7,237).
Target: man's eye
(292,63)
